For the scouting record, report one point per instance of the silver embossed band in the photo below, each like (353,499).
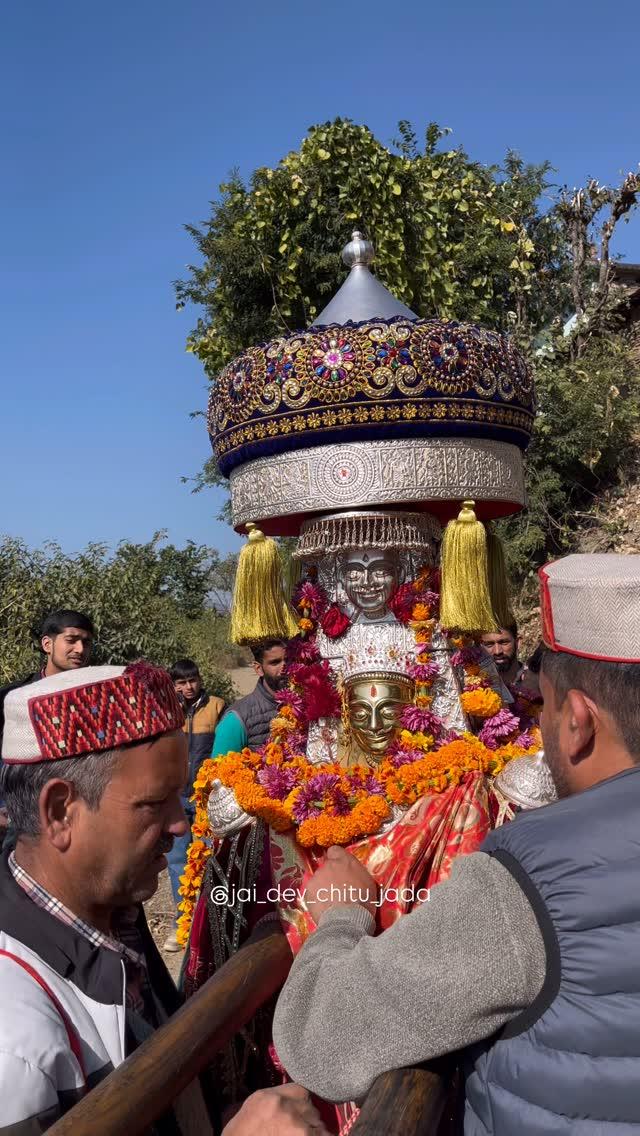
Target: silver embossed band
(370,474)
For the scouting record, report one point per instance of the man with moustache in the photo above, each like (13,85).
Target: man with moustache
(527,957)
(94,762)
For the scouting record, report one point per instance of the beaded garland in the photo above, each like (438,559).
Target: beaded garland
(358,381)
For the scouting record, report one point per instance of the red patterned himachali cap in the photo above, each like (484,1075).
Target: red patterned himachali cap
(590,605)
(88,710)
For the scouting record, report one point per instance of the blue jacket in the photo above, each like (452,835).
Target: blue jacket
(571,1062)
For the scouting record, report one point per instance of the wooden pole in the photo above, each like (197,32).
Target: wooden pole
(144,1086)
(405,1102)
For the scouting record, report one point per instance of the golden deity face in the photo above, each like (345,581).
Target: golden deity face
(369,579)
(375,706)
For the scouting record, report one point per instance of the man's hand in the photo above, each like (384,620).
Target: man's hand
(341,881)
(284,1111)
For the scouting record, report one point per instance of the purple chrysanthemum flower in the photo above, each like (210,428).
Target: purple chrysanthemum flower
(422,721)
(525,740)
(465,656)
(430,599)
(289,698)
(277,781)
(501,726)
(295,743)
(310,800)
(423,672)
(367,782)
(312,597)
(406,757)
(302,651)
(339,804)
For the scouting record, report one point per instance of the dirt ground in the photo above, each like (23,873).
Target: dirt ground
(160,909)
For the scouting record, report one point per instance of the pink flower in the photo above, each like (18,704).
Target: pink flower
(496,729)
(277,781)
(405,757)
(430,599)
(525,740)
(295,743)
(312,598)
(465,656)
(302,651)
(365,782)
(310,800)
(289,698)
(420,721)
(423,672)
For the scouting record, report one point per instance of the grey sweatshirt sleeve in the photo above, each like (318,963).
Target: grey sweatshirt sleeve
(450,973)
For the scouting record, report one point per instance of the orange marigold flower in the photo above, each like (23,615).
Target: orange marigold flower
(369,814)
(280,724)
(481,703)
(276,816)
(306,624)
(273,753)
(420,611)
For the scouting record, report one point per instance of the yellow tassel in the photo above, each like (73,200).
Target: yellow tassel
(465,602)
(498,580)
(259,609)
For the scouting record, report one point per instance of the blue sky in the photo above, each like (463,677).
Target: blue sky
(119,120)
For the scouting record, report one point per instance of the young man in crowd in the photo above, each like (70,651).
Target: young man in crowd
(201,712)
(528,954)
(247,722)
(502,645)
(95,797)
(66,641)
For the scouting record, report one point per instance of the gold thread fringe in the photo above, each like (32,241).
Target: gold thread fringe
(259,609)
(498,580)
(465,601)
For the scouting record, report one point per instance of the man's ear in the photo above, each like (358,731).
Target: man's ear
(57,802)
(47,644)
(581,723)
(258,668)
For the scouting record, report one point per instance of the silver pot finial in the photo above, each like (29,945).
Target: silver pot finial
(358,251)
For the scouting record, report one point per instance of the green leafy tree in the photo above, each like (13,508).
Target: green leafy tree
(146,601)
(453,238)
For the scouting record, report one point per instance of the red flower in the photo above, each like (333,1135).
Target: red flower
(402,601)
(334,622)
(319,694)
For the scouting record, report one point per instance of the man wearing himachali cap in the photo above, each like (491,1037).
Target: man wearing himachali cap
(527,958)
(94,761)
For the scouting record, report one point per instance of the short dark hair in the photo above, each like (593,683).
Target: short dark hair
(512,628)
(21,784)
(58,621)
(184,668)
(258,650)
(615,687)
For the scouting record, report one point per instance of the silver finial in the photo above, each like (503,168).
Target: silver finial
(361,297)
(358,251)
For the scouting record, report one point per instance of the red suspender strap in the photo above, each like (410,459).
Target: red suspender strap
(74,1040)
